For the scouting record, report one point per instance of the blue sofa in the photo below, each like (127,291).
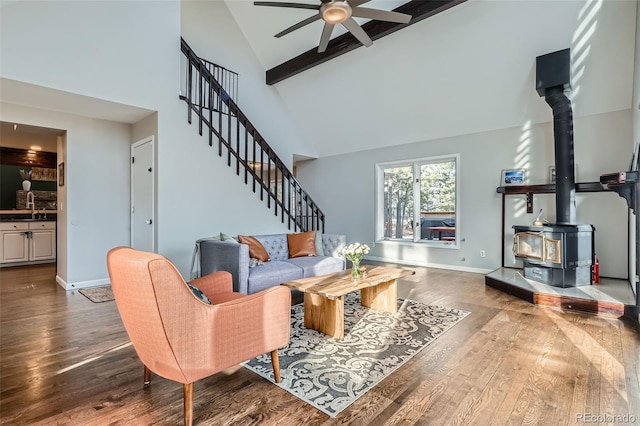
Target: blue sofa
(249,277)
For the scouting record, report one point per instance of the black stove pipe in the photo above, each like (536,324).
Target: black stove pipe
(565,170)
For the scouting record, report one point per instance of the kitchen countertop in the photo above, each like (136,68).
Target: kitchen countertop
(25,211)
(53,219)
(24,216)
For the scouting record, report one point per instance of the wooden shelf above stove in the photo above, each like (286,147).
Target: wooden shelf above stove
(549,188)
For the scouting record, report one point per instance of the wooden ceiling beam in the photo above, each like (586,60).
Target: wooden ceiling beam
(418,9)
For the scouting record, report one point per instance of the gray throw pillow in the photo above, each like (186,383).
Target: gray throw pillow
(227,238)
(319,249)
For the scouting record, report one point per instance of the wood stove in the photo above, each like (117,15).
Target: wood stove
(560,254)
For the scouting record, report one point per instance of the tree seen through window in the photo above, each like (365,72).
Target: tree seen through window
(424,189)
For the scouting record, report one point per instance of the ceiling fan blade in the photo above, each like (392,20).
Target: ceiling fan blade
(357,32)
(356,3)
(381,15)
(298,25)
(326,35)
(291,5)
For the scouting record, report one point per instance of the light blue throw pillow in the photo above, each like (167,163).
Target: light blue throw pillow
(227,238)
(319,249)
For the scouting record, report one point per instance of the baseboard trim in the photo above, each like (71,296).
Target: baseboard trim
(430,265)
(81,284)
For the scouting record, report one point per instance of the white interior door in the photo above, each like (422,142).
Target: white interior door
(143,226)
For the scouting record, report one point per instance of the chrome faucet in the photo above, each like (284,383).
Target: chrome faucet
(31,204)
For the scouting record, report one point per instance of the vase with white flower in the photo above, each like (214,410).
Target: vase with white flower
(354,253)
(26,179)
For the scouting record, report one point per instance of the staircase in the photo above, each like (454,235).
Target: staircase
(209,93)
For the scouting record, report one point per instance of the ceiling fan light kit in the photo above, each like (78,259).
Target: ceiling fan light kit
(334,12)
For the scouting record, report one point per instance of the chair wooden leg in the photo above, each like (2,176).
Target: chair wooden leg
(147,376)
(187,389)
(275,361)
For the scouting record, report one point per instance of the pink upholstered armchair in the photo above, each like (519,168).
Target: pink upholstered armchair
(180,337)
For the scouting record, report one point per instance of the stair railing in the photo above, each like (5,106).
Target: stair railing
(243,145)
(227,79)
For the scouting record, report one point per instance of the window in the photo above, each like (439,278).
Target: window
(417,200)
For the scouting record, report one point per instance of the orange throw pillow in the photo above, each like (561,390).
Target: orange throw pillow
(256,249)
(302,244)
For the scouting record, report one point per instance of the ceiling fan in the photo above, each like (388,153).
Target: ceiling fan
(334,12)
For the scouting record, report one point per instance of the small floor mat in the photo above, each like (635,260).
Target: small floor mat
(98,294)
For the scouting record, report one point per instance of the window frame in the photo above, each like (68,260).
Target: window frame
(415,164)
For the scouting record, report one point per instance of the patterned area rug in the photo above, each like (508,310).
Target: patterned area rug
(331,374)
(98,294)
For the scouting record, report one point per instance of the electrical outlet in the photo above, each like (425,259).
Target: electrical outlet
(482,253)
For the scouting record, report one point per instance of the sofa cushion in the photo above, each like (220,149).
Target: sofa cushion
(332,243)
(271,274)
(276,245)
(256,249)
(318,265)
(302,244)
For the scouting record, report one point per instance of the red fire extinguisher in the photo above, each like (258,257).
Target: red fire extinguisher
(596,270)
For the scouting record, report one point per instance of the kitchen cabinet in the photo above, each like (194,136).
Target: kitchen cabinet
(42,244)
(15,244)
(27,242)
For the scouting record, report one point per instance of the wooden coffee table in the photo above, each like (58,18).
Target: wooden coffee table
(324,296)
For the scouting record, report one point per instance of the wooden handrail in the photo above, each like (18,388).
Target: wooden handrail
(205,97)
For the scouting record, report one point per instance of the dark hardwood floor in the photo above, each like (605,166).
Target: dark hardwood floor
(68,361)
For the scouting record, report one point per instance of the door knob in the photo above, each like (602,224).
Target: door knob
(148,222)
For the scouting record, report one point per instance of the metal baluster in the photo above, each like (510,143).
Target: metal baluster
(261,170)
(289,202)
(228,138)
(268,179)
(253,137)
(237,144)
(200,99)
(189,89)
(246,154)
(210,115)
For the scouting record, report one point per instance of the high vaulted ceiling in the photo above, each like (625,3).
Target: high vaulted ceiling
(469,69)
(342,41)
(260,24)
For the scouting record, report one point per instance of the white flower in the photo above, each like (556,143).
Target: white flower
(354,252)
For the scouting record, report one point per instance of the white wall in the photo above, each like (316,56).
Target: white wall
(94,201)
(344,186)
(472,91)
(128,52)
(121,51)
(209,28)
(467,70)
